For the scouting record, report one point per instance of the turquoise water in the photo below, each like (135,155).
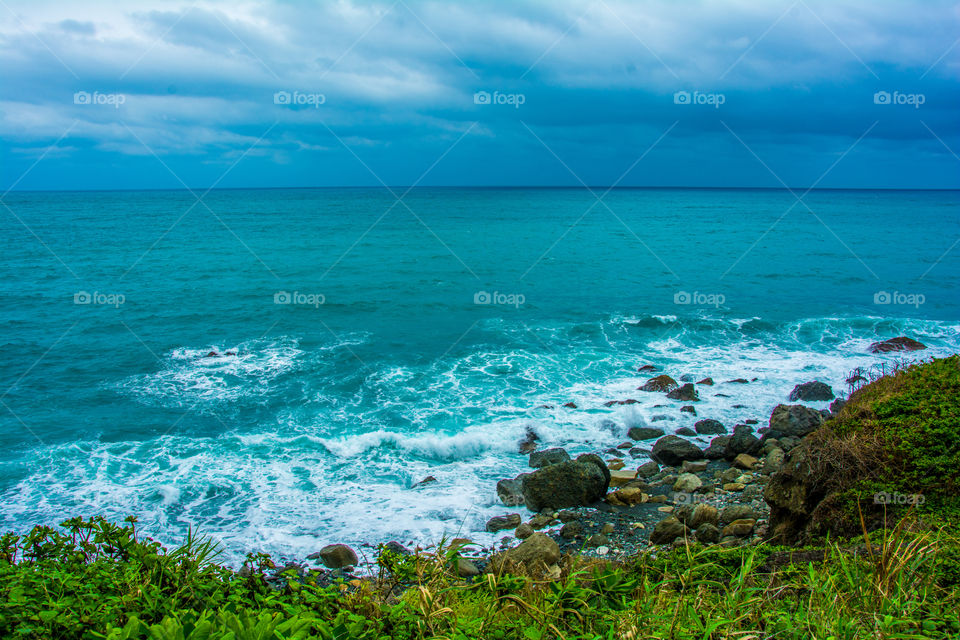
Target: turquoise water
(363,362)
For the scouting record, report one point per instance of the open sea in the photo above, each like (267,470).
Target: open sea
(379,341)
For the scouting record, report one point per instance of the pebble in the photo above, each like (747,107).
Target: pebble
(602,551)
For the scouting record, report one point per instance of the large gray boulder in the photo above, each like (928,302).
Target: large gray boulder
(793,420)
(709,427)
(546,457)
(673,450)
(814,391)
(567,484)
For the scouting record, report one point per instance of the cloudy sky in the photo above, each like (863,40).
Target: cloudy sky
(150,94)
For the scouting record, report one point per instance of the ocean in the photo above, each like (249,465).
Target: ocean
(279,368)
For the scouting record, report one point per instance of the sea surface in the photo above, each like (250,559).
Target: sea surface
(380,340)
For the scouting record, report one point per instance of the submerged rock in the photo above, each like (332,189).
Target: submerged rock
(900,343)
(687,393)
(659,383)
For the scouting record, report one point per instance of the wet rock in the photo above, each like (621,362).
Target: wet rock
(659,383)
(739,528)
(647,368)
(708,533)
(593,458)
(687,393)
(668,530)
(718,448)
(673,450)
(707,381)
(425,481)
(539,459)
(709,427)
(686,431)
(794,420)
(568,484)
(814,391)
(524,531)
(900,343)
(529,441)
(510,492)
(689,408)
(738,381)
(648,469)
(571,530)
(499,523)
(687,483)
(703,514)
(337,556)
(616,403)
(570,405)
(539,550)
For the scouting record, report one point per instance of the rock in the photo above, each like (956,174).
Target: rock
(612,403)
(466,569)
(425,481)
(745,461)
(707,381)
(709,427)
(593,458)
(648,469)
(615,465)
(900,343)
(539,459)
(597,540)
(689,408)
(568,484)
(337,556)
(668,530)
(644,433)
(687,393)
(703,514)
(743,441)
(570,405)
(672,450)
(539,550)
(626,497)
(794,420)
(693,467)
(659,383)
(738,512)
(687,483)
(647,368)
(524,531)
(814,391)
(499,523)
(621,477)
(510,492)
(738,381)
(540,521)
(393,547)
(718,448)
(607,529)
(687,377)
(602,551)
(739,528)
(211,354)
(708,534)
(773,462)
(571,530)
(529,441)
(729,475)
(685,431)
(836,405)
(734,486)
(567,516)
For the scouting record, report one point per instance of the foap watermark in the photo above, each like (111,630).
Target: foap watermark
(699,97)
(507,299)
(97,297)
(680,497)
(885,497)
(699,298)
(512,99)
(109,99)
(899,298)
(912,99)
(298,298)
(299,99)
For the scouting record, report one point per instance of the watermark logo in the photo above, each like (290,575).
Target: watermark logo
(885,497)
(898,298)
(912,99)
(111,99)
(512,99)
(109,299)
(698,97)
(306,299)
(299,99)
(689,498)
(699,299)
(507,299)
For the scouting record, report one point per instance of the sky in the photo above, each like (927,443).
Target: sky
(694,93)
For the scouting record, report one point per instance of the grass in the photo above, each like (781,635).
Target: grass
(94,579)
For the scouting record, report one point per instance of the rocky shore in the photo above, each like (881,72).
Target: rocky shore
(654,490)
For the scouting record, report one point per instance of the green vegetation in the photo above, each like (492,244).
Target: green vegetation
(898,438)
(93,579)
